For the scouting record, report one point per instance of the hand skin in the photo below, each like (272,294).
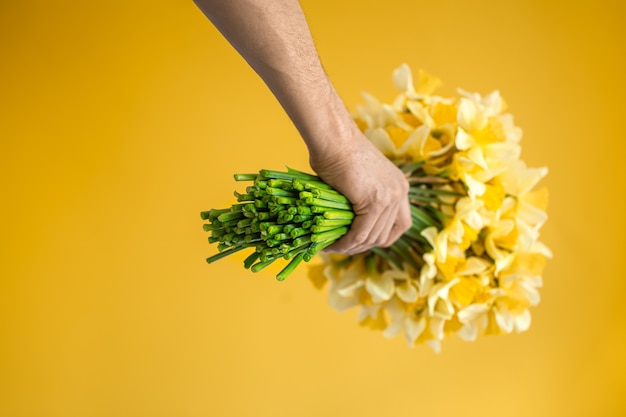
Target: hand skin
(274,38)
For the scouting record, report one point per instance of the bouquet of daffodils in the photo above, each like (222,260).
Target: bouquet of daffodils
(470,264)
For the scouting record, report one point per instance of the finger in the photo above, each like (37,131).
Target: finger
(379,228)
(401,224)
(382,228)
(358,235)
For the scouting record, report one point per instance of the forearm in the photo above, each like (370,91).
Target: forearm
(273,37)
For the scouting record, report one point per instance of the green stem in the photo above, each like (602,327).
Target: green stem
(244,197)
(214,213)
(315,248)
(403,249)
(320,221)
(412,166)
(420,215)
(245,177)
(423,199)
(290,251)
(270,174)
(320,229)
(304,174)
(279,192)
(289,201)
(225,253)
(383,253)
(318,202)
(299,231)
(284,184)
(260,265)
(302,240)
(299,218)
(304,210)
(338,214)
(247,263)
(330,235)
(225,217)
(309,185)
(431,191)
(330,195)
(291,266)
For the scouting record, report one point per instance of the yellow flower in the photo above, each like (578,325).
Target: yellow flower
(493,196)
(471,278)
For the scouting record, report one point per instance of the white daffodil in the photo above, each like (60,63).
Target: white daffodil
(465,215)
(376,114)
(528,209)
(436,326)
(405,285)
(497,233)
(344,286)
(474,319)
(439,305)
(509,310)
(380,287)
(402,319)
(508,320)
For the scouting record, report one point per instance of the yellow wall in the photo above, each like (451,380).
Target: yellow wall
(121,120)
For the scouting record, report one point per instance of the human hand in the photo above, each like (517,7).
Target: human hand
(377,189)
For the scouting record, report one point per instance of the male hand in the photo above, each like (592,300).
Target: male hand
(377,189)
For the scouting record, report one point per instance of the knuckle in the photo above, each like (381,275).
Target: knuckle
(405,186)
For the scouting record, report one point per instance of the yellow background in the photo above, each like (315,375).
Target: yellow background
(121,120)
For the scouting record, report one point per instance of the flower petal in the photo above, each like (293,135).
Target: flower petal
(477,156)
(522,321)
(464,140)
(407,292)
(403,79)
(473,266)
(339,302)
(413,328)
(381,288)
(380,138)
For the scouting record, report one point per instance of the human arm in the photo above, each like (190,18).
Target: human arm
(274,38)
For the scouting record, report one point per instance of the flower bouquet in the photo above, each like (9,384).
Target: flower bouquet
(471,262)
